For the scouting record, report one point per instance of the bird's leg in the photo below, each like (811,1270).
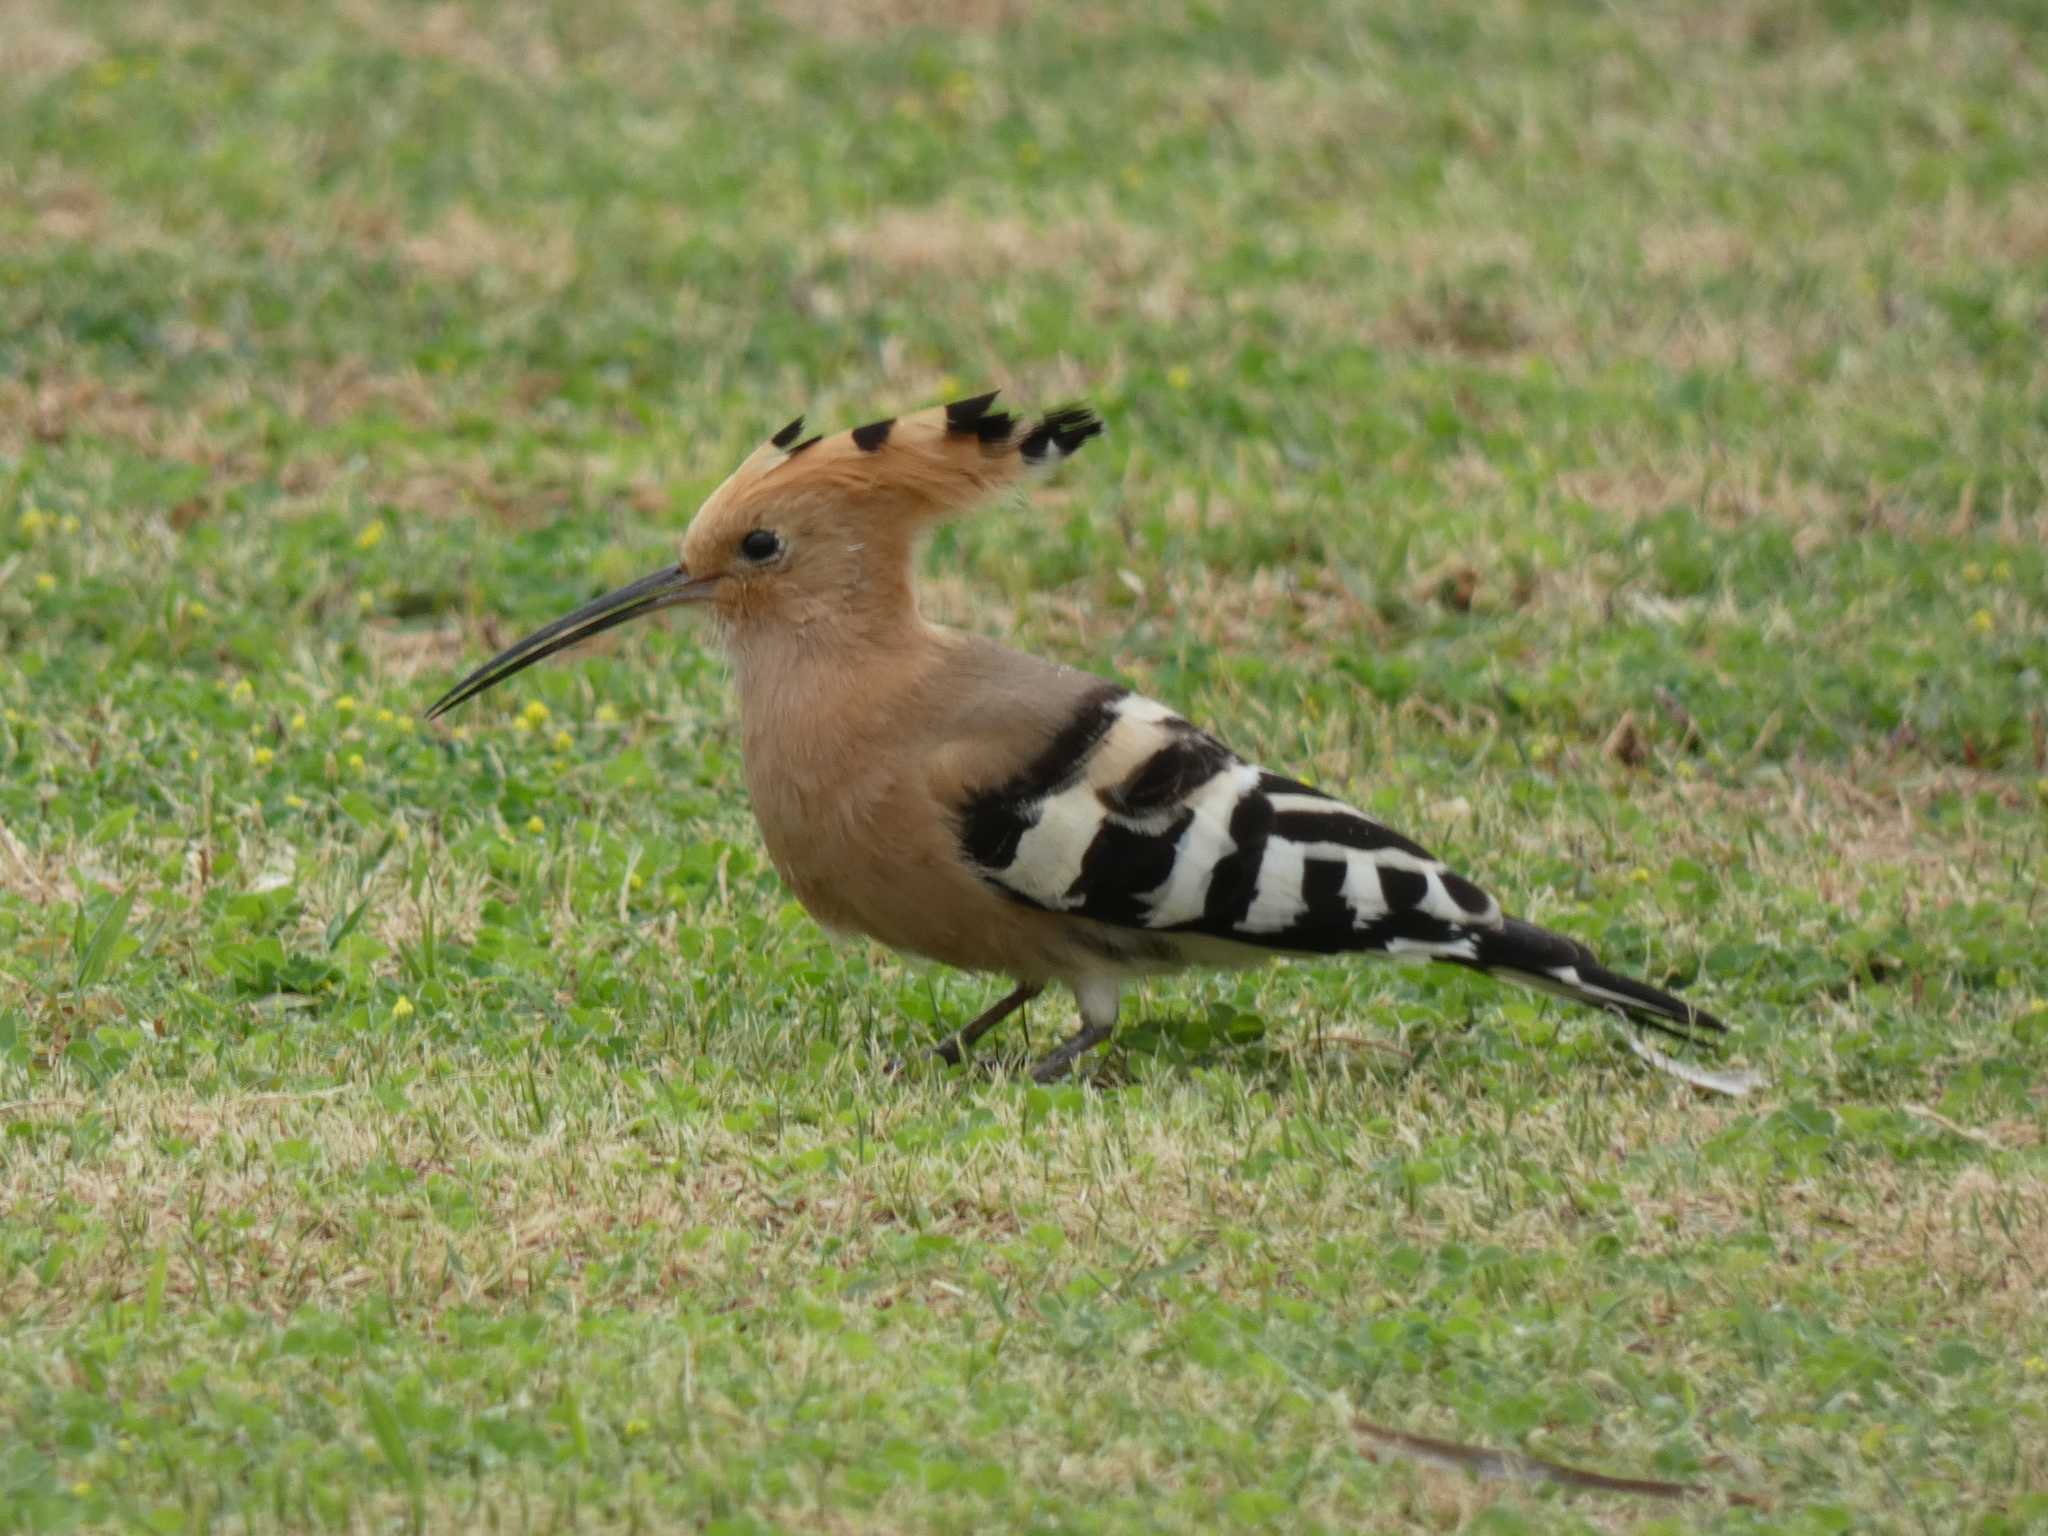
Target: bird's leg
(1053,1065)
(952,1050)
(1098,997)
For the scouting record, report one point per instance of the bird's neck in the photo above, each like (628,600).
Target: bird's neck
(832,688)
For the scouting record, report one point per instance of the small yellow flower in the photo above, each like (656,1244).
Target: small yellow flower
(2036,1366)
(345,703)
(262,757)
(370,537)
(198,610)
(635,1428)
(365,601)
(606,715)
(535,712)
(522,725)
(243,691)
(45,582)
(298,720)
(296,802)
(402,1009)
(1973,573)
(385,717)
(67,523)
(564,741)
(2002,571)
(1640,875)
(356,765)
(405,725)
(535,825)
(1983,621)
(33,522)
(636,880)
(13,717)
(81,1489)
(191,754)
(1179,377)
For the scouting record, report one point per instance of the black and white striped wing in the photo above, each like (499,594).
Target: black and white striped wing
(1134,817)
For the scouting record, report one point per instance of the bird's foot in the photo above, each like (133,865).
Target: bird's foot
(1056,1063)
(897,1066)
(953,1051)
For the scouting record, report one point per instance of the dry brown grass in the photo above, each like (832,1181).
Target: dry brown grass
(460,245)
(512,44)
(55,407)
(43,875)
(37,45)
(956,241)
(857,20)
(1122,269)
(554,1207)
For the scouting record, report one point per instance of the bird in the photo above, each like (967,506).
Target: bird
(975,805)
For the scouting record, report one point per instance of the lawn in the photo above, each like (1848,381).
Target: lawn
(1609,442)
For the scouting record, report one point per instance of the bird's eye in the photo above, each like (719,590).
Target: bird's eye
(761,545)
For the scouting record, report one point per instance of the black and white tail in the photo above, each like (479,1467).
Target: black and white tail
(1550,962)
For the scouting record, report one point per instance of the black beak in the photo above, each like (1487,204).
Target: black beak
(664,589)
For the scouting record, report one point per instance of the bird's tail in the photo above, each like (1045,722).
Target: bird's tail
(1550,962)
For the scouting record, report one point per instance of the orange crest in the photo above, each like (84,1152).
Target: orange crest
(914,469)
(812,526)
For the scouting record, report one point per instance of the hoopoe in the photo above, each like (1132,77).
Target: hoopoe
(999,813)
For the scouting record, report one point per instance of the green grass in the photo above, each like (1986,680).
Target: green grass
(1609,441)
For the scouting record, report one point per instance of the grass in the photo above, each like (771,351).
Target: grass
(1608,441)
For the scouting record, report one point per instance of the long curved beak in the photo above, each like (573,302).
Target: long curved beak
(664,589)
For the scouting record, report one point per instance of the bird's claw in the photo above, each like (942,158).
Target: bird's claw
(1056,1063)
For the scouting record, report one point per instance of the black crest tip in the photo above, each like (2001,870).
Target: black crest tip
(871,437)
(1064,428)
(788,434)
(963,415)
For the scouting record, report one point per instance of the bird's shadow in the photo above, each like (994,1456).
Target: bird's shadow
(1222,1037)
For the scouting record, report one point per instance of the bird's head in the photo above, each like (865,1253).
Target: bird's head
(816,533)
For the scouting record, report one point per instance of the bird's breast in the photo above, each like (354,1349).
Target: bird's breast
(861,843)
(852,772)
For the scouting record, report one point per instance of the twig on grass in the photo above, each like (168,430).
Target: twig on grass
(1517,1467)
